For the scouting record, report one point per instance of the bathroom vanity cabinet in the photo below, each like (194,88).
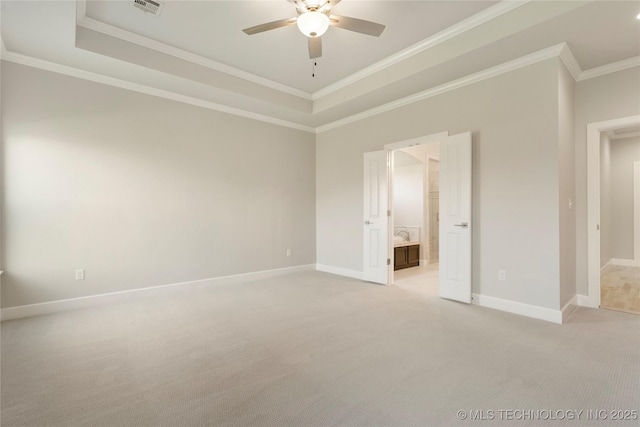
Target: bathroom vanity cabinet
(406,256)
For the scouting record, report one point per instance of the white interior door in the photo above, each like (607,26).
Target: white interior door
(375,218)
(455,217)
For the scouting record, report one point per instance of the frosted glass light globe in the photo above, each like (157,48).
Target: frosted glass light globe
(313,24)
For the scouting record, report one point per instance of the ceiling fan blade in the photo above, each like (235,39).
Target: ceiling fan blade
(270,26)
(357,25)
(315,47)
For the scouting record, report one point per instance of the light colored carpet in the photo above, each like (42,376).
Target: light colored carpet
(313,349)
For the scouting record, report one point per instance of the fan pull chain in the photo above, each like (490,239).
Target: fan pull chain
(313,69)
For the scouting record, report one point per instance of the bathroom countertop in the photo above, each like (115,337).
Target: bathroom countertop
(405,243)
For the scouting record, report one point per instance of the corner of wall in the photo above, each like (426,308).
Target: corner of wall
(566,184)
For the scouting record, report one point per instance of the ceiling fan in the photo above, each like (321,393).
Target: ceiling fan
(313,20)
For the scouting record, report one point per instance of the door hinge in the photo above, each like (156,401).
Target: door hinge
(388,213)
(388,261)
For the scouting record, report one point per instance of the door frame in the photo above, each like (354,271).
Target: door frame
(593,201)
(390,148)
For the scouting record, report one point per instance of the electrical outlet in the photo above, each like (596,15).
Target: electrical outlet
(502,275)
(288,252)
(79,274)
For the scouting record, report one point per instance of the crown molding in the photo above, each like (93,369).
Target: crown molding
(148,90)
(609,68)
(506,67)
(567,58)
(480,18)
(499,9)
(101,27)
(524,61)
(561,51)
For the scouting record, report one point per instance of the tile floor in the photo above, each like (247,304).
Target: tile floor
(620,289)
(620,286)
(421,280)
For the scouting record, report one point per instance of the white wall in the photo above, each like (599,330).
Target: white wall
(624,152)
(608,97)
(408,182)
(423,153)
(605,200)
(514,120)
(142,191)
(566,175)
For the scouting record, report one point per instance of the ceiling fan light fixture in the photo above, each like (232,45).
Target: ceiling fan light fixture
(313,24)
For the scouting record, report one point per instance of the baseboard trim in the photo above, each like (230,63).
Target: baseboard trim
(50,307)
(586,301)
(624,262)
(569,308)
(522,309)
(354,274)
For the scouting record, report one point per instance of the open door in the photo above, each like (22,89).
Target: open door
(375,218)
(455,217)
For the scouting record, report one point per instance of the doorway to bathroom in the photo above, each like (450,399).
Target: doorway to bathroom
(620,219)
(613,214)
(416,217)
(454,215)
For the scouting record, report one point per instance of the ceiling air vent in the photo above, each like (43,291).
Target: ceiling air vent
(151,6)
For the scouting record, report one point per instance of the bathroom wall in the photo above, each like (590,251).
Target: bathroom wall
(605,200)
(616,197)
(408,183)
(624,152)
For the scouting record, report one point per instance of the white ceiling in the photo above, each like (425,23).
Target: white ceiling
(195,51)
(212,29)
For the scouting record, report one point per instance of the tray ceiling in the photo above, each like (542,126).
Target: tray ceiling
(195,51)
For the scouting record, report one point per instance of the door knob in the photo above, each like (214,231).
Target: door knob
(367,222)
(462,224)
